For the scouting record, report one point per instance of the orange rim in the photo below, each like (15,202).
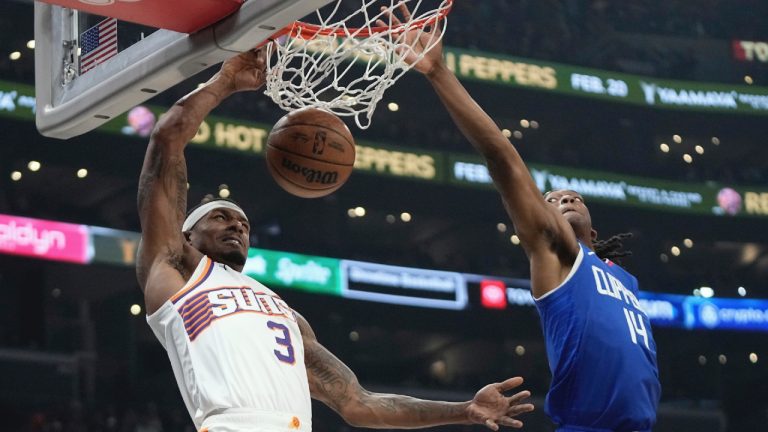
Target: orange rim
(309,31)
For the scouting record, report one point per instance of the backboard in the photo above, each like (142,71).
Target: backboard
(73,99)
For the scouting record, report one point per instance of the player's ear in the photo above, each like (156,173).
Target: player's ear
(188,236)
(593,233)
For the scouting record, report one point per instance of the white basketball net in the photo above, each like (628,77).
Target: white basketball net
(348,72)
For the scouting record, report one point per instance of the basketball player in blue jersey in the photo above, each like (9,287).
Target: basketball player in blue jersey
(243,359)
(599,344)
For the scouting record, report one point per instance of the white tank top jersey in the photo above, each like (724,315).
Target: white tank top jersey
(235,347)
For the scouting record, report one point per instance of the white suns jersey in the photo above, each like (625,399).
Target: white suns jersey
(234,344)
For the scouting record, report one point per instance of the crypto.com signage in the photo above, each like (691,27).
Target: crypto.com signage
(56,241)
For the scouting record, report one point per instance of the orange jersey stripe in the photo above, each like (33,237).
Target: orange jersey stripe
(203,276)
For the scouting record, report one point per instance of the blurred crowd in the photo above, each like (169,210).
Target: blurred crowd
(594,33)
(76,418)
(604,34)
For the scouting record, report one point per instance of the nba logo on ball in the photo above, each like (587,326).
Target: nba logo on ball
(310,153)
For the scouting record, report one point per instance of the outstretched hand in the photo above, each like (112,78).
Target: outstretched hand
(246,71)
(418,39)
(491,408)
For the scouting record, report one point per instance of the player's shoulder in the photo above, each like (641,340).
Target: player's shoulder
(307,333)
(620,271)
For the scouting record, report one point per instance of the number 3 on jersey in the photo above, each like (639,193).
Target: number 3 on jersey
(636,327)
(284,340)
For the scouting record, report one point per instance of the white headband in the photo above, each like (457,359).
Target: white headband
(204,209)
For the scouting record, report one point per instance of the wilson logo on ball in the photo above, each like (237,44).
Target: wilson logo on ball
(311,175)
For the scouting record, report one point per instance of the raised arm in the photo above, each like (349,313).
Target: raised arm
(333,383)
(165,261)
(546,236)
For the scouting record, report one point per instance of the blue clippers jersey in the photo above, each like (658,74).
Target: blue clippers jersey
(601,351)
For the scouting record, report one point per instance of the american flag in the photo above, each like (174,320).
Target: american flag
(98,44)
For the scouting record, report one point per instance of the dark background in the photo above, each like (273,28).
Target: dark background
(73,358)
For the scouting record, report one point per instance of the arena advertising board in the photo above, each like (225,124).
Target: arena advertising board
(403,285)
(303,272)
(17,101)
(411,163)
(111,246)
(750,51)
(37,238)
(605,85)
(367,281)
(664,310)
(704,199)
(569,80)
(725,314)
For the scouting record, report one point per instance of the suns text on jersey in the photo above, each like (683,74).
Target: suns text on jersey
(205,307)
(226,301)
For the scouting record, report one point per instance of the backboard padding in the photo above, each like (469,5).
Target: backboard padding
(184,16)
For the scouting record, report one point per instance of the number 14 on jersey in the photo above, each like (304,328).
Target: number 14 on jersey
(636,327)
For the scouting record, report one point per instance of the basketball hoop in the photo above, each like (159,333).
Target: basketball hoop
(345,62)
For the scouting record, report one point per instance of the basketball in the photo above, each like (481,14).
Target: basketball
(310,153)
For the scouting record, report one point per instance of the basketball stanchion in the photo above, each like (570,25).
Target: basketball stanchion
(148,61)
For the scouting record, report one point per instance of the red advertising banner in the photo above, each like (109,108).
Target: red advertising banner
(750,51)
(56,241)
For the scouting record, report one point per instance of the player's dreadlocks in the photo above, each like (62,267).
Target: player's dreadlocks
(612,248)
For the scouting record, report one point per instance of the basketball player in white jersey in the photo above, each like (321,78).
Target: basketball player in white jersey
(243,359)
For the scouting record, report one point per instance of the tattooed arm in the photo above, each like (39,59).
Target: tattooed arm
(165,260)
(333,383)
